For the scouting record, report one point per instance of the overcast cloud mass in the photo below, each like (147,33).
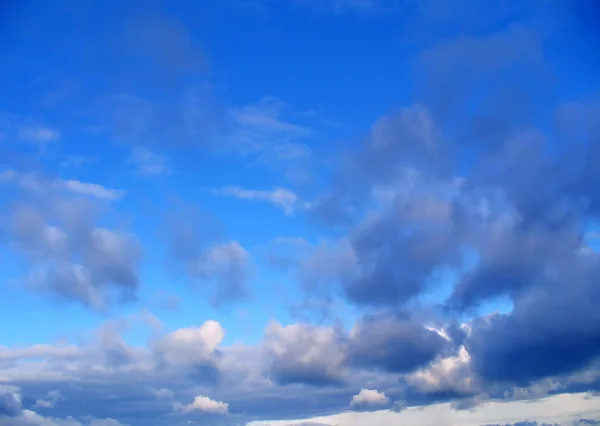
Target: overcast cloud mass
(299,213)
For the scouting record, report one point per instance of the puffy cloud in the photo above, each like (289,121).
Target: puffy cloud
(204,404)
(222,269)
(227,265)
(536,342)
(393,345)
(190,346)
(452,373)
(369,397)
(299,353)
(72,258)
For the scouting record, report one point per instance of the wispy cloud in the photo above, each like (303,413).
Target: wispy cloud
(149,163)
(280,197)
(33,182)
(92,190)
(38,134)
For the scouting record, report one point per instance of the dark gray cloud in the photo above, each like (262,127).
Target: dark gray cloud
(10,404)
(485,180)
(552,330)
(393,345)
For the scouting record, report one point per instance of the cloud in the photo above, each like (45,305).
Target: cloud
(10,404)
(299,353)
(561,409)
(265,117)
(163,393)
(369,397)
(190,346)
(38,134)
(92,189)
(393,345)
(148,163)
(35,183)
(463,200)
(204,404)
(228,267)
(220,269)
(71,258)
(52,398)
(280,197)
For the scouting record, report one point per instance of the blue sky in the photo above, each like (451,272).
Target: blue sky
(235,211)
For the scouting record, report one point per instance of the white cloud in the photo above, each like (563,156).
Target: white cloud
(450,373)
(204,404)
(92,190)
(369,397)
(562,409)
(190,345)
(32,182)
(281,197)
(300,353)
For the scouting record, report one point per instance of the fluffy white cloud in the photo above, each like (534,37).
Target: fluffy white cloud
(369,397)
(299,353)
(190,345)
(204,404)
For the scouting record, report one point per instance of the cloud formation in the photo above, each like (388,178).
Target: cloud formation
(430,263)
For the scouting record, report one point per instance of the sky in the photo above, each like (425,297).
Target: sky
(299,212)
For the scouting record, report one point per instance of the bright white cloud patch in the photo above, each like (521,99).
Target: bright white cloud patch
(190,345)
(369,397)
(561,409)
(204,404)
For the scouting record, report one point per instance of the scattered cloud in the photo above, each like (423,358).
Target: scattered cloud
(38,134)
(148,163)
(205,405)
(92,189)
(280,197)
(368,397)
(51,399)
(444,270)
